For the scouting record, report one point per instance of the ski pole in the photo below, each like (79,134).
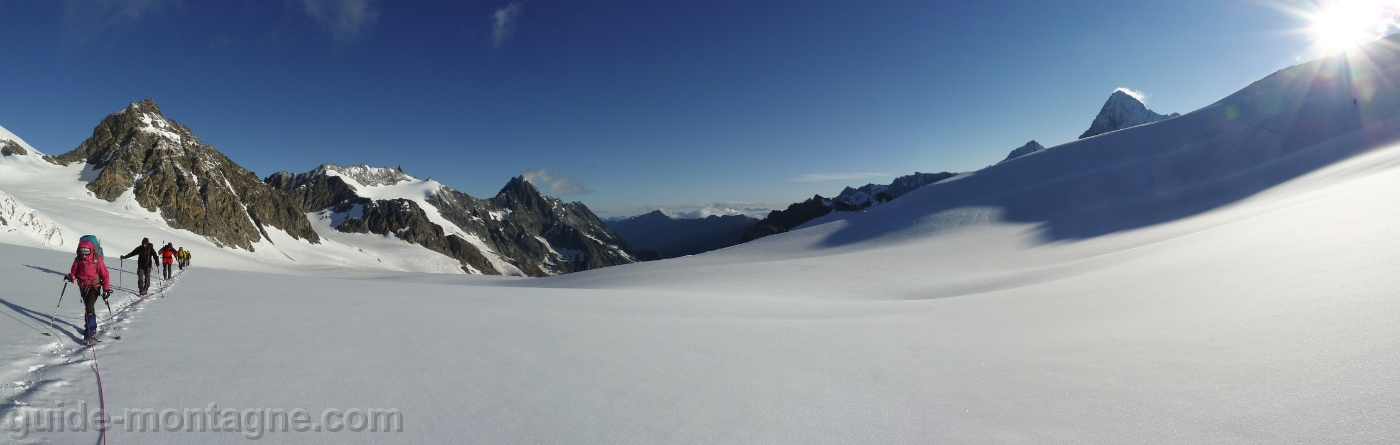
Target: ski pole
(121,271)
(60,303)
(109,308)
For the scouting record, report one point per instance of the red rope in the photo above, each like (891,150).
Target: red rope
(101,394)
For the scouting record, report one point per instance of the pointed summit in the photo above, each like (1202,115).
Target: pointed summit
(520,193)
(1122,110)
(519,184)
(193,186)
(1030,147)
(146,105)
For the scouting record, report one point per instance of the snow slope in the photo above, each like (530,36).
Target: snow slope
(1222,277)
(1272,321)
(6,135)
(46,205)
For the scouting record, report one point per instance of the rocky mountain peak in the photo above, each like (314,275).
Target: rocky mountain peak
(519,184)
(520,191)
(191,185)
(1122,110)
(1030,147)
(654,214)
(139,126)
(146,105)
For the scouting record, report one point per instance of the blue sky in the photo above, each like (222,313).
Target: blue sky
(629,104)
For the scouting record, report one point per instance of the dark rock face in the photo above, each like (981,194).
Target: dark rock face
(868,194)
(531,224)
(312,191)
(407,221)
(850,199)
(1122,111)
(536,234)
(10,148)
(670,238)
(1030,147)
(192,185)
(779,221)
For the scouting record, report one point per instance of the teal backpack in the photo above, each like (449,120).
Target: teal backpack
(95,243)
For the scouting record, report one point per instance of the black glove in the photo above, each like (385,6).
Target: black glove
(105,294)
(68,278)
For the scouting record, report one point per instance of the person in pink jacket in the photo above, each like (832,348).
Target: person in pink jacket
(90,272)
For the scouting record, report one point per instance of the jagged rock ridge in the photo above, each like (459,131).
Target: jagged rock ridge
(190,184)
(779,221)
(1122,111)
(870,194)
(850,199)
(519,229)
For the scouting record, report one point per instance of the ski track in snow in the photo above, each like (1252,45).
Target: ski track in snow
(58,366)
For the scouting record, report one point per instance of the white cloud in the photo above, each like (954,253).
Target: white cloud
(818,177)
(557,183)
(717,209)
(1140,96)
(86,20)
(504,23)
(693,211)
(346,20)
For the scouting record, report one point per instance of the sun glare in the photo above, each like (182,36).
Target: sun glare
(1340,25)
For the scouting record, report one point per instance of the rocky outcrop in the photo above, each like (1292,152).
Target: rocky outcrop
(11,148)
(779,221)
(1030,147)
(520,228)
(543,235)
(850,199)
(1122,111)
(406,220)
(191,185)
(314,190)
(869,194)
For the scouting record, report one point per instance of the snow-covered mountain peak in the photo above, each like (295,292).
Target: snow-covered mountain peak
(144,106)
(193,186)
(1122,110)
(145,116)
(365,174)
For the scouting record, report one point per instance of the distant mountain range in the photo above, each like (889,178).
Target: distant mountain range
(1119,112)
(138,155)
(156,169)
(849,200)
(675,237)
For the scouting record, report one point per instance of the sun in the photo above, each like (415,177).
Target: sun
(1343,24)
